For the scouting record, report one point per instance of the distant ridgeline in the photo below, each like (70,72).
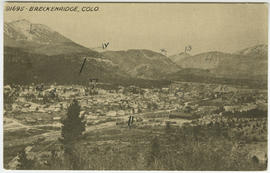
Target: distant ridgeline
(21,67)
(250,83)
(25,68)
(35,53)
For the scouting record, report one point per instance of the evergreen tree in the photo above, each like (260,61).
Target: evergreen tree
(72,129)
(73,124)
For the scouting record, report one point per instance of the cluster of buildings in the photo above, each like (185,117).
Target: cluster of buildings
(186,97)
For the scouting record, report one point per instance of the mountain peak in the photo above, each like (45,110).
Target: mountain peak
(257,51)
(23,26)
(39,38)
(24,30)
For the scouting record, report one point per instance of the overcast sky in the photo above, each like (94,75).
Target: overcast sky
(207,27)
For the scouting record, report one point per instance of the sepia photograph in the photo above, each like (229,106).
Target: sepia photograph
(135,86)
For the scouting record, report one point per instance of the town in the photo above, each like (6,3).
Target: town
(36,110)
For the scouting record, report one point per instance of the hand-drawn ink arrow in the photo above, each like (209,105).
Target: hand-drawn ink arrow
(105,45)
(82,65)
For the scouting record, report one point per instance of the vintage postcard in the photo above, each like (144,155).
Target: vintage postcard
(135,86)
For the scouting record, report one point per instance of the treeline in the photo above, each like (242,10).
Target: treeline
(203,76)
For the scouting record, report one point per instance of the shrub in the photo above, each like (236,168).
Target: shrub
(24,162)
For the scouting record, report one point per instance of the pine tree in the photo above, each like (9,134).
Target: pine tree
(73,124)
(72,129)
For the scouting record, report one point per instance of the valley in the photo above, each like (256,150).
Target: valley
(135,109)
(32,121)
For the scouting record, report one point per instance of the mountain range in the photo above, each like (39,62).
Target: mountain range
(249,63)
(37,53)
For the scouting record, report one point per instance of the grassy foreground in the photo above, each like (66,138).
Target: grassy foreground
(155,148)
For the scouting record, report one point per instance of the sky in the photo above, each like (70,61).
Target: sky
(155,26)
